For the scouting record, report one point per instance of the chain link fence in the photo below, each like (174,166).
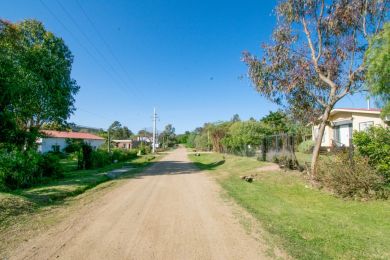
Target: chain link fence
(278,148)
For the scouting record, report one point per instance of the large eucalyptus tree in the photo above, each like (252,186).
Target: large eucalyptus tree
(316,55)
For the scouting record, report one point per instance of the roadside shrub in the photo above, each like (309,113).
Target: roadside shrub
(144,150)
(285,160)
(306,146)
(50,165)
(356,180)
(85,157)
(101,158)
(18,169)
(73,145)
(124,155)
(375,145)
(131,154)
(21,169)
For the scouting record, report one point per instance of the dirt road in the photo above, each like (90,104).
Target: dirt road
(171,211)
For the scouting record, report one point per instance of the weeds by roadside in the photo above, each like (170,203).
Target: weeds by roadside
(308,223)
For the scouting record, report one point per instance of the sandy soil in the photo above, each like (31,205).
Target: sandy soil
(171,211)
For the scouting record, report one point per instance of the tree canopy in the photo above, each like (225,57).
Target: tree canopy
(168,136)
(117,131)
(378,67)
(316,54)
(35,80)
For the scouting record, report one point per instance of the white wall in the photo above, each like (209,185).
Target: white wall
(46,144)
(94,143)
(326,137)
(361,118)
(356,117)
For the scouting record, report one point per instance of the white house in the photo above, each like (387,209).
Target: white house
(56,140)
(343,121)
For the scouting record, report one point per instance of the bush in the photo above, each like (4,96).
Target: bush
(124,155)
(50,165)
(85,157)
(285,160)
(144,150)
(356,180)
(101,158)
(306,146)
(73,145)
(375,145)
(21,169)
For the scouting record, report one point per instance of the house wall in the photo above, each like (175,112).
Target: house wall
(360,118)
(326,140)
(356,117)
(340,116)
(124,145)
(46,144)
(94,143)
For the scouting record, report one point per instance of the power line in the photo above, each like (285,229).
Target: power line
(95,114)
(78,41)
(104,41)
(91,43)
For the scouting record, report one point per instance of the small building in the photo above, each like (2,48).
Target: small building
(343,121)
(124,144)
(56,140)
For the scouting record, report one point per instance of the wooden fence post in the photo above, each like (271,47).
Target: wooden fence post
(264,149)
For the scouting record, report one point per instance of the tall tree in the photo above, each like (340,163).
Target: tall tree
(236,118)
(277,122)
(117,131)
(35,78)
(316,55)
(378,67)
(168,137)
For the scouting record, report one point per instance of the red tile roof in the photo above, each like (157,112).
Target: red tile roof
(70,135)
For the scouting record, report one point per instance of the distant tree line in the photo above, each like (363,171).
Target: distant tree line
(117,131)
(235,134)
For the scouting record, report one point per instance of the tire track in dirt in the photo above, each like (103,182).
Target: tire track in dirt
(170,211)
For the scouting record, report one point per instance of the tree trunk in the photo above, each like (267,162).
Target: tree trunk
(318,141)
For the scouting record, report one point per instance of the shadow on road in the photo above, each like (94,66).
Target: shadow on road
(175,168)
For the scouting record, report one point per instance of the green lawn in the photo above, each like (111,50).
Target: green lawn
(303,158)
(74,182)
(26,213)
(307,223)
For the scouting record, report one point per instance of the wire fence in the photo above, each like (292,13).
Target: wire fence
(278,148)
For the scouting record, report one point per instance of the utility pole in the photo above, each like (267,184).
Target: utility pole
(154,131)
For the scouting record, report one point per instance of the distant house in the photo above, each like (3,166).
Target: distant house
(124,144)
(56,140)
(133,143)
(144,139)
(343,121)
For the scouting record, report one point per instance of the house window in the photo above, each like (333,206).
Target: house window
(55,148)
(343,134)
(363,126)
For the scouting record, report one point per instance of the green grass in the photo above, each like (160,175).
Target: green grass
(26,213)
(303,157)
(74,182)
(306,222)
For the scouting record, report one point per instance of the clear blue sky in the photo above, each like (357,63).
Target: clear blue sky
(182,57)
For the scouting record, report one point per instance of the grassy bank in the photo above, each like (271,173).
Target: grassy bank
(308,223)
(25,210)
